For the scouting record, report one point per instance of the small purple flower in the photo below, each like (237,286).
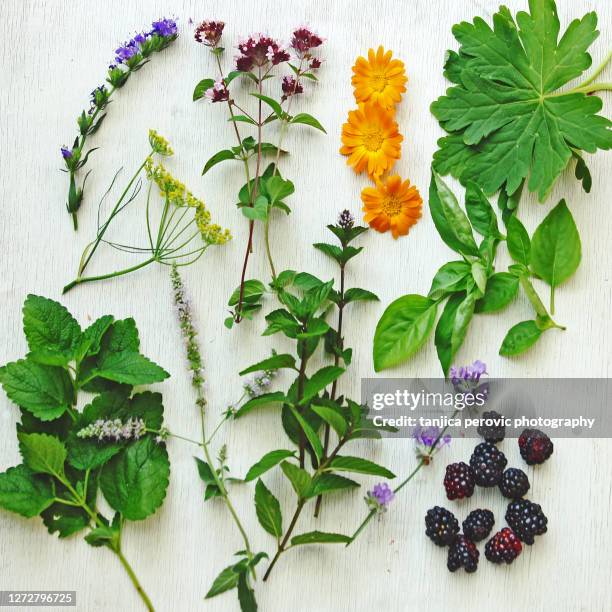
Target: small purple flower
(66,152)
(430,436)
(125,52)
(315,63)
(345,219)
(164,27)
(291,87)
(303,40)
(209,33)
(141,38)
(380,497)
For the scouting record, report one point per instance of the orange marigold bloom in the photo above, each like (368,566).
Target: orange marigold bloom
(379,78)
(392,205)
(371,139)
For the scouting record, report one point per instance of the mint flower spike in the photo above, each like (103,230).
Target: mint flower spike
(114,429)
(129,57)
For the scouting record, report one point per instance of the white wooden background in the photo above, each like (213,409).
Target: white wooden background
(52,54)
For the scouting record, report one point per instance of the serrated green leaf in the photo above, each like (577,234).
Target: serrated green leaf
(275,362)
(46,391)
(508,119)
(51,331)
(268,510)
(252,292)
(134,482)
(273,104)
(355,294)
(225,581)
(333,418)
(319,381)
(402,330)
(208,478)
(268,461)
(43,454)
(311,434)
(319,537)
(328,483)
(360,466)
(23,492)
(90,342)
(300,479)
(278,188)
(130,368)
(265,399)
(121,336)
(246,595)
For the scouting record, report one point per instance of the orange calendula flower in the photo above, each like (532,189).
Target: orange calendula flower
(371,139)
(379,78)
(392,205)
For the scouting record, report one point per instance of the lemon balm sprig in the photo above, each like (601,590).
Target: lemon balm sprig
(184,229)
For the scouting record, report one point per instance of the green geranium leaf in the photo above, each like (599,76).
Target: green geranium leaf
(43,454)
(46,391)
(507,118)
(23,492)
(502,288)
(268,510)
(319,537)
(51,331)
(134,482)
(402,330)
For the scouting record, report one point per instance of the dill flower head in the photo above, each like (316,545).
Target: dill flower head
(393,205)
(178,195)
(159,144)
(379,78)
(371,139)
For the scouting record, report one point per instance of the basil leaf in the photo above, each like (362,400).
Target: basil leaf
(480,212)
(452,327)
(502,288)
(402,330)
(518,241)
(319,537)
(448,279)
(519,338)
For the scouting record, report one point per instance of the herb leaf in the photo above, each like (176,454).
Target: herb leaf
(23,492)
(268,510)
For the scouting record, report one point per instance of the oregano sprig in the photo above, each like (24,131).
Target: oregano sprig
(70,455)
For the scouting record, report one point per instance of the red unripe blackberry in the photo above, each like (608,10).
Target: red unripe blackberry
(441,526)
(492,433)
(535,446)
(514,483)
(478,524)
(462,553)
(503,547)
(526,519)
(459,480)
(488,463)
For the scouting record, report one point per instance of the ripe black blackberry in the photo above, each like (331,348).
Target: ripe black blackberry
(462,553)
(526,519)
(488,463)
(535,446)
(504,546)
(514,483)
(441,526)
(478,524)
(492,432)
(459,480)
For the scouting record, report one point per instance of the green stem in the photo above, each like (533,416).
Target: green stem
(75,222)
(598,70)
(591,88)
(536,302)
(130,572)
(87,258)
(90,279)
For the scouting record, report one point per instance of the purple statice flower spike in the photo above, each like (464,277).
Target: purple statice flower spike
(379,497)
(66,152)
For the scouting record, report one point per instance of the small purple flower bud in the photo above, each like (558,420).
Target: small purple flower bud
(345,219)
(380,497)
(66,152)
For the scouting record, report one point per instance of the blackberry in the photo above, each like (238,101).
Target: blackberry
(462,553)
(526,519)
(504,546)
(459,481)
(492,433)
(478,524)
(535,446)
(514,483)
(488,463)
(441,526)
